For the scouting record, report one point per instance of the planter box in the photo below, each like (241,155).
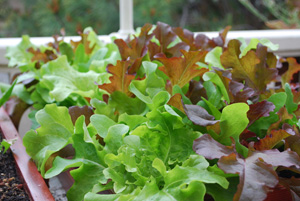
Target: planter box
(33,181)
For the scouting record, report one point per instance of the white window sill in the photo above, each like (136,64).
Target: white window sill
(288,40)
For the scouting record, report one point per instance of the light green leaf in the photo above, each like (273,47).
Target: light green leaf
(253,44)
(18,55)
(6,144)
(197,166)
(160,166)
(278,99)
(97,197)
(213,57)
(102,108)
(114,137)
(89,173)
(125,104)
(54,134)
(62,80)
(132,121)
(233,122)
(102,124)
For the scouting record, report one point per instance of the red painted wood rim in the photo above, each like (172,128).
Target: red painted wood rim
(34,182)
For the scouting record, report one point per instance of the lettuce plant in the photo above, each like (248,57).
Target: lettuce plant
(181,117)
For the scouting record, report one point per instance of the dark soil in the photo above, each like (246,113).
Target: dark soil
(11,187)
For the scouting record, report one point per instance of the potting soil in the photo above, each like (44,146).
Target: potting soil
(11,187)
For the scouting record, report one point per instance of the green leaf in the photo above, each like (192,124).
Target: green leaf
(197,166)
(102,108)
(214,111)
(7,94)
(253,44)
(221,194)
(150,90)
(103,57)
(160,166)
(53,135)
(278,99)
(114,137)
(18,55)
(102,124)
(125,104)
(213,77)
(96,197)
(233,122)
(6,145)
(62,80)
(290,105)
(132,121)
(88,174)
(66,49)
(213,57)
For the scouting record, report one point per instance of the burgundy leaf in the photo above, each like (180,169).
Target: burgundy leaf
(279,193)
(256,172)
(198,115)
(258,110)
(293,184)
(237,91)
(216,150)
(196,91)
(201,41)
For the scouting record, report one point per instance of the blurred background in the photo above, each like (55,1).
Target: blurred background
(47,17)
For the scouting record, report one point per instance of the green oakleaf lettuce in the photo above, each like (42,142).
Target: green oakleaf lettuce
(53,135)
(62,80)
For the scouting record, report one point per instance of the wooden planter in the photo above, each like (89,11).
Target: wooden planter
(34,183)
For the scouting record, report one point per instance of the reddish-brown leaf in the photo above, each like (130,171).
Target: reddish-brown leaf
(271,140)
(201,41)
(279,193)
(187,37)
(86,43)
(258,110)
(250,67)
(176,102)
(76,112)
(120,79)
(181,70)
(293,143)
(165,35)
(43,57)
(293,184)
(293,68)
(283,116)
(135,49)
